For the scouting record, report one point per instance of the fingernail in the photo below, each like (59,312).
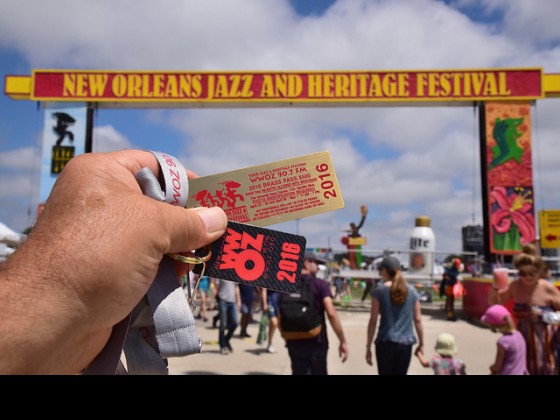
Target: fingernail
(214,218)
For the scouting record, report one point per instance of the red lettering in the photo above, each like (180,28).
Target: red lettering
(231,245)
(255,242)
(248,264)
(169,160)
(176,181)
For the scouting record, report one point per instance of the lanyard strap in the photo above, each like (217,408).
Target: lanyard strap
(162,324)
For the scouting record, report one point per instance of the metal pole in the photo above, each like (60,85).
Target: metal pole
(484,182)
(89,129)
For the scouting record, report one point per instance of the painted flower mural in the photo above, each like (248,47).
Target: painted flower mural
(509,172)
(512,218)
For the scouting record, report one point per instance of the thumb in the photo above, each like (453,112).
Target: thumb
(190,229)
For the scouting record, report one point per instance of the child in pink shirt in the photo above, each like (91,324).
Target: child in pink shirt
(444,363)
(511,357)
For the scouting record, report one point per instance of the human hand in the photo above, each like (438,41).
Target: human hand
(369,359)
(89,260)
(343,351)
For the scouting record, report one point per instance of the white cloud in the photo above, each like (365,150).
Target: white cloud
(401,162)
(19,159)
(529,21)
(107,139)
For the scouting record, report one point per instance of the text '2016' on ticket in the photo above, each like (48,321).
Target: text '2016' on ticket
(271,193)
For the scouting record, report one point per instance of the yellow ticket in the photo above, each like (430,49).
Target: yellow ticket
(271,193)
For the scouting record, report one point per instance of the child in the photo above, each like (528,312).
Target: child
(511,358)
(444,363)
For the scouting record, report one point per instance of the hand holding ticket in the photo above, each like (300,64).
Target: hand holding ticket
(260,196)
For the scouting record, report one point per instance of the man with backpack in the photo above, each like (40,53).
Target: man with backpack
(303,324)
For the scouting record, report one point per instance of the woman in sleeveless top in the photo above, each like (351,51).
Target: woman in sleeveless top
(533,297)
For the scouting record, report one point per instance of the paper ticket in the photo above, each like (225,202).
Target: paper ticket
(271,193)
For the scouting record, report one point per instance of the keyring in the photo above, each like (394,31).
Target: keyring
(191,294)
(194,259)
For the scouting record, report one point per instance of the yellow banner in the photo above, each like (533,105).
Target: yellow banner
(289,87)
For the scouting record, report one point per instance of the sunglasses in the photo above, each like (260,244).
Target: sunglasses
(530,273)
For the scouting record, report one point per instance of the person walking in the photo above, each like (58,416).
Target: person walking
(451,278)
(270,299)
(511,356)
(230,302)
(398,305)
(203,293)
(247,294)
(308,356)
(445,363)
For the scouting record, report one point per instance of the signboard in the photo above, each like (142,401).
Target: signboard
(549,222)
(361,240)
(64,136)
(351,87)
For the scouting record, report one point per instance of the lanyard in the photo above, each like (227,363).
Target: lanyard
(162,324)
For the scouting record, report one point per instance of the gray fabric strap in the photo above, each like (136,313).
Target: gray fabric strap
(175,189)
(174,322)
(161,325)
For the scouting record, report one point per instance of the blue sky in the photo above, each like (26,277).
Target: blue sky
(400,161)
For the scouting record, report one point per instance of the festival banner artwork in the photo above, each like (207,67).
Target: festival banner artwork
(509,177)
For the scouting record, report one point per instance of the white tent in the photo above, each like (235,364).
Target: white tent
(9,240)
(10,237)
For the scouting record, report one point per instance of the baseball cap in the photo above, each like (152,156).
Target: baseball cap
(389,264)
(446,344)
(312,257)
(496,315)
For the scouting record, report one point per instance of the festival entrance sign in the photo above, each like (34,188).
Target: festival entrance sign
(117,88)
(503,95)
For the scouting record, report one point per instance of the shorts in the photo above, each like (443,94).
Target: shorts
(204,284)
(338,283)
(246,309)
(273,302)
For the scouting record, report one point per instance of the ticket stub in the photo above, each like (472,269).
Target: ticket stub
(271,193)
(256,256)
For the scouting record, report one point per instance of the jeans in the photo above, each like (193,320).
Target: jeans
(308,359)
(393,358)
(228,320)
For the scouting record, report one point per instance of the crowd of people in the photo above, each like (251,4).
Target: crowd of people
(62,300)
(529,344)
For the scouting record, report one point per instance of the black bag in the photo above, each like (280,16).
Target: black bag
(298,317)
